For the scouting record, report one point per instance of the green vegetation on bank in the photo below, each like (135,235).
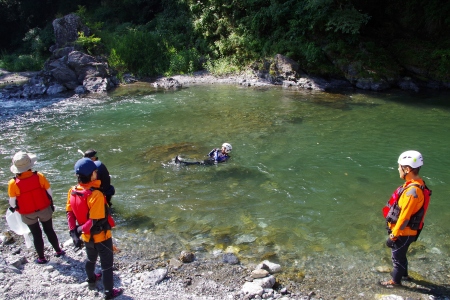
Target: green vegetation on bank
(168,37)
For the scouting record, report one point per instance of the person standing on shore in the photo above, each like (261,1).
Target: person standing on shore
(102,175)
(215,156)
(31,196)
(404,213)
(89,218)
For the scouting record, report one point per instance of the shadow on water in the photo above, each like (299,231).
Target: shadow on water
(426,98)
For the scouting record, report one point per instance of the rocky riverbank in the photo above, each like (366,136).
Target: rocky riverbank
(221,276)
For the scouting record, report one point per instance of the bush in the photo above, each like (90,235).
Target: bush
(21,63)
(90,43)
(139,52)
(223,66)
(183,62)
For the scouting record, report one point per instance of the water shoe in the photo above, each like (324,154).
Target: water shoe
(113,294)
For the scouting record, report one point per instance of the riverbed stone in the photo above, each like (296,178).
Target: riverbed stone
(251,289)
(259,273)
(269,266)
(230,258)
(266,282)
(154,277)
(187,257)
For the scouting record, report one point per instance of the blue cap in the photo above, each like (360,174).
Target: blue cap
(85,167)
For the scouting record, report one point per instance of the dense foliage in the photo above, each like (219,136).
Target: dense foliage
(150,37)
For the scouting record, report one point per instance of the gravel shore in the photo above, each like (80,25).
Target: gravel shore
(157,277)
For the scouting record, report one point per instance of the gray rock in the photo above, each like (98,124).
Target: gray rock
(129,78)
(406,83)
(66,29)
(62,52)
(56,89)
(96,84)
(187,257)
(167,83)
(30,91)
(259,273)
(154,277)
(10,269)
(245,239)
(61,72)
(252,289)
(230,258)
(80,90)
(371,84)
(269,266)
(266,282)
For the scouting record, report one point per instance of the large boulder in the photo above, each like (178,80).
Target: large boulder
(66,30)
(85,66)
(62,73)
(72,69)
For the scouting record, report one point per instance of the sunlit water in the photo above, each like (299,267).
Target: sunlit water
(308,176)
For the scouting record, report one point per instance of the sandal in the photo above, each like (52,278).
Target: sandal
(389,284)
(113,294)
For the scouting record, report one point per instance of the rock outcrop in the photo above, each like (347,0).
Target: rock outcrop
(69,68)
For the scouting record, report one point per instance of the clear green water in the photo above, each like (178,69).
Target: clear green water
(309,172)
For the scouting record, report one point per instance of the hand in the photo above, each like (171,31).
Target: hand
(390,243)
(75,238)
(53,207)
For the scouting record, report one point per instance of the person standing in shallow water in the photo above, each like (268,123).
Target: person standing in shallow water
(102,175)
(90,221)
(403,218)
(31,196)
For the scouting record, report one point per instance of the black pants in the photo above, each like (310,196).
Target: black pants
(399,260)
(38,241)
(105,251)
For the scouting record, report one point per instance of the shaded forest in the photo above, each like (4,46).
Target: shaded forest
(165,37)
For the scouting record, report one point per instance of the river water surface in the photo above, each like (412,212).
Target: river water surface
(309,172)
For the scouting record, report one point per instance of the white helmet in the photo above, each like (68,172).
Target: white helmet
(411,158)
(227,147)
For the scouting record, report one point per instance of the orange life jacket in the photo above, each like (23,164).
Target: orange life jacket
(78,202)
(392,211)
(33,197)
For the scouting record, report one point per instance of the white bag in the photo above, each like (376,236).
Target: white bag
(15,223)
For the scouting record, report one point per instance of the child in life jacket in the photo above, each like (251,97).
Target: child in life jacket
(31,196)
(404,214)
(90,221)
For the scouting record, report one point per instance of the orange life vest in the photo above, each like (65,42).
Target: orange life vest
(33,197)
(391,210)
(78,202)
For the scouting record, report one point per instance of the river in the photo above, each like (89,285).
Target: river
(308,174)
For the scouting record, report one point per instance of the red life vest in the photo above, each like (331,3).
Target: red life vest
(33,197)
(78,202)
(392,211)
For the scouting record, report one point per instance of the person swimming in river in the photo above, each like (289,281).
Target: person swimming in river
(215,156)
